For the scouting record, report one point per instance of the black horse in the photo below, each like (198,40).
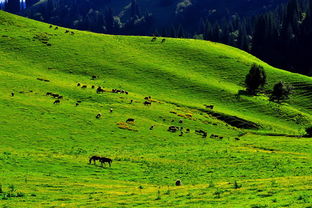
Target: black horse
(104,160)
(94,158)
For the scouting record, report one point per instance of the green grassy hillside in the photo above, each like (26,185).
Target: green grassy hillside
(45,147)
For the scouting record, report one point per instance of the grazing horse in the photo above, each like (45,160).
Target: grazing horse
(94,158)
(104,160)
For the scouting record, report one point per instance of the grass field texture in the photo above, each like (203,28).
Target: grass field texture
(258,159)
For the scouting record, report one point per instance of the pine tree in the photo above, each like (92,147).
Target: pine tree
(12,6)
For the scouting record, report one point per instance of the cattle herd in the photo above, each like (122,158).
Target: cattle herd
(148,102)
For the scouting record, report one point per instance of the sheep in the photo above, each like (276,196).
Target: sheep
(84,86)
(180,121)
(50,26)
(237,139)
(78,84)
(72,33)
(67,31)
(93,87)
(56,28)
(152,127)
(110,110)
(163,40)
(77,104)
(93,77)
(154,39)
(99,115)
(12,94)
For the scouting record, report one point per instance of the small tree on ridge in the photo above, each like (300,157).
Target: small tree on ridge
(255,79)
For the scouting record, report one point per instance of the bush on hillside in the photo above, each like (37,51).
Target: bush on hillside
(255,79)
(281,92)
(309,131)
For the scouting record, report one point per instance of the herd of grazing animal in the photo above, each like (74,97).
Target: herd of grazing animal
(147,102)
(66,31)
(102,160)
(155,38)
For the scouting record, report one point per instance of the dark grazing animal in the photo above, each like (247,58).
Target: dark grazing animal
(147,103)
(98,116)
(201,132)
(12,94)
(178,183)
(84,86)
(56,28)
(99,90)
(154,39)
(94,159)
(173,128)
(130,120)
(57,102)
(209,106)
(104,160)
(163,40)
(50,26)
(78,84)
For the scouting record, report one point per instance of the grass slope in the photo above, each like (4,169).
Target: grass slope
(45,148)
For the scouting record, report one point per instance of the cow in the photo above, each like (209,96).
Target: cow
(147,103)
(129,120)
